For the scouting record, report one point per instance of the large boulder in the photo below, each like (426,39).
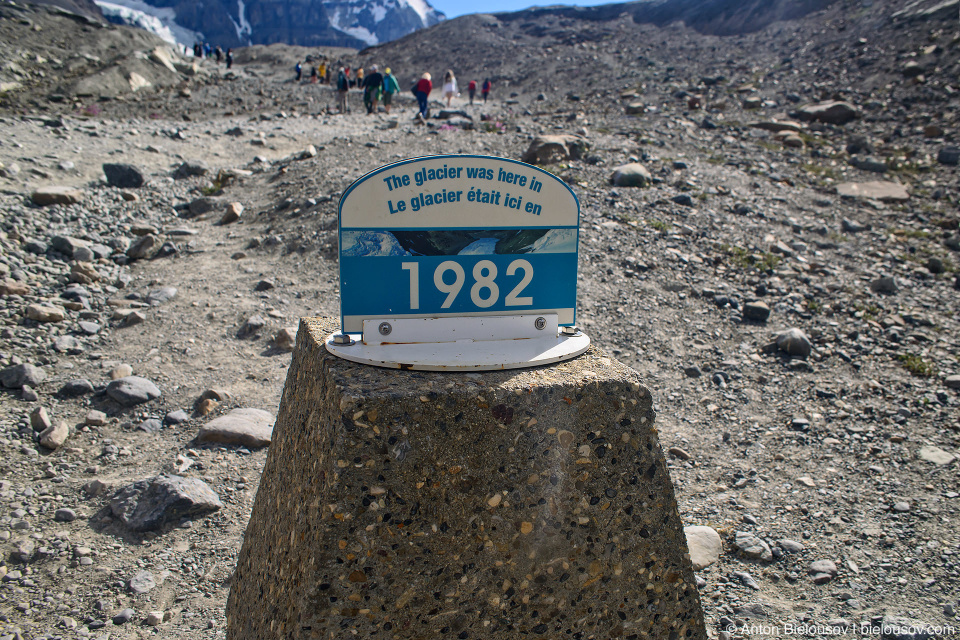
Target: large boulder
(831,112)
(551,149)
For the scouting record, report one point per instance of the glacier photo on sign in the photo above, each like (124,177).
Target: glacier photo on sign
(457,242)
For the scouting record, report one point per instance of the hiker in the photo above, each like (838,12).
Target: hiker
(372,86)
(390,87)
(299,70)
(485,89)
(218,52)
(313,75)
(229,58)
(472,89)
(422,90)
(343,86)
(323,72)
(449,86)
(359,82)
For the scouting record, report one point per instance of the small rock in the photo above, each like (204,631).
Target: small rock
(245,427)
(752,546)
(67,344)
(704,544)
(201,206)
(144,248)
(286,338)
(876,190)
(45,196)
(747,580)
(76,388)
(936,455)
(952,382)
(21,375)
(205,406)
(756,311)
(54,436)
(936,265)
(794,342)
(550,149)
(189,169)
(123,176)
(851,226)
(64,514)
(154,618)
(264,285)
(95,418)
(679,453)
(831,112)
(901,507)
(232,213)
(150,425)
(142,582)
(251,327)
(42,313)
(823,566)
(40,419)
(151,504)
(161,295)
(121,371)
(95,488)
(884,285)
(125,616)
(949,156)
(132,390)
(633,174)
(790,546)
(176,417)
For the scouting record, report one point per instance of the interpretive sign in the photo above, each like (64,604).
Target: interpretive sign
(457,235)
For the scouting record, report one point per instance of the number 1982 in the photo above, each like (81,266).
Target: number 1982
(449,278)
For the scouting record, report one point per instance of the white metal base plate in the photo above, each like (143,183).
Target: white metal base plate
(439,344)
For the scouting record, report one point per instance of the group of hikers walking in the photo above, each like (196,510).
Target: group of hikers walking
(204,50)
(381,87)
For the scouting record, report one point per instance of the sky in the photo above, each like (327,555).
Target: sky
(454,8)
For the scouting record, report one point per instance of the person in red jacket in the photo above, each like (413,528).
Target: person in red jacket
(487,85)
(472,89)
(422,91)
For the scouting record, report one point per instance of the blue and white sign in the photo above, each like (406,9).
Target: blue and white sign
(457,235)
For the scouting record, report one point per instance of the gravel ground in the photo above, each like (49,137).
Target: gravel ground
(826,461)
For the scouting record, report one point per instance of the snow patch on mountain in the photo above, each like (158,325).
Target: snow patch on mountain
(345,20)
(158,20)
(423,10)
(243,27)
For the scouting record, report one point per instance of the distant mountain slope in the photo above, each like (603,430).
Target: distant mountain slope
(232,23)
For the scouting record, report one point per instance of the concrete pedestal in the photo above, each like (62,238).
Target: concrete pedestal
(521,504)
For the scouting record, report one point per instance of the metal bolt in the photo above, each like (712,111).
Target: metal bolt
(568,331)
(540,323)
(342,339)
(385,328)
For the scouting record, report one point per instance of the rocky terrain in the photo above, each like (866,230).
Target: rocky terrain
(784,277)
